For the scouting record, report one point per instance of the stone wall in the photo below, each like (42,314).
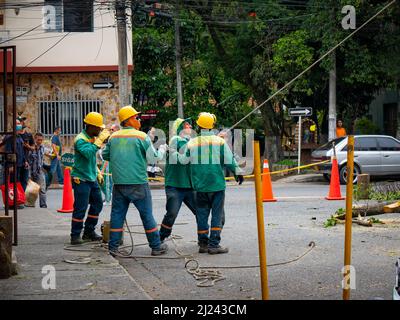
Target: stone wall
(45,86)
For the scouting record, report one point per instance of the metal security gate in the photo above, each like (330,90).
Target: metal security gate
(66,110)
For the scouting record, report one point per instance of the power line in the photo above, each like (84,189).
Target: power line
(47,50)
(315,63)
(22,34)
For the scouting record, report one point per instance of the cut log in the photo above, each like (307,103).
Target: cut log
(367,209)
(370,208)
(390,208)
(365,223)
(362,186)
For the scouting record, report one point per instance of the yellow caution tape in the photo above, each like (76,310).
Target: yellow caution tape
(252,176)
(284,170)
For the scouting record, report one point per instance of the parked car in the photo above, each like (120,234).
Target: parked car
(376,155)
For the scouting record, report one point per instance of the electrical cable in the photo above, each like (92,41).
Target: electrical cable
(314,63)
(43,53)
(20,35)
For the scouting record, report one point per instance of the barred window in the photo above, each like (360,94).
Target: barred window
(68,114)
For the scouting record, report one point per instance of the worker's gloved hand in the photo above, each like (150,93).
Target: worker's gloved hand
(100,179)
(103,136)
(239,179)
(163,148)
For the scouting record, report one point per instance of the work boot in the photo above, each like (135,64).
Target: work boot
(76,241)
(113,252)
(203,247)
(217,250)
(163,248)
(91,236)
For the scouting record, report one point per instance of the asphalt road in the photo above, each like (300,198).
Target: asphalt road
(292,223)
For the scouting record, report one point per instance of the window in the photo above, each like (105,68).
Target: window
(68,114)
(365,144)
(388,144)
(329,145)
(78,16)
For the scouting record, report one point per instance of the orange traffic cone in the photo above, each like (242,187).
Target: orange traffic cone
(266,184)
(68,196)
(334,188)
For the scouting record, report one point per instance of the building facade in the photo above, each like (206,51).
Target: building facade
(67,62)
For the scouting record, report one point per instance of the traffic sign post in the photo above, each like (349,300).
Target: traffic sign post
(299,112)
(299,148)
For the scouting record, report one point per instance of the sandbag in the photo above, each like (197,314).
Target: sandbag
(31,193)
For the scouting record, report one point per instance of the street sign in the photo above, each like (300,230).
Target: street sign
(149,114)
(67,159)
(103,85)
(300,112)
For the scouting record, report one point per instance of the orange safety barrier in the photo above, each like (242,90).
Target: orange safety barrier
(267,184)
(68,196)
(334,188)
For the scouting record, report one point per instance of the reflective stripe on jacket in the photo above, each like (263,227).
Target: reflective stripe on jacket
(129,151)
(209,155)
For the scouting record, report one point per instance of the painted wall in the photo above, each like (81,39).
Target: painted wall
(98,48)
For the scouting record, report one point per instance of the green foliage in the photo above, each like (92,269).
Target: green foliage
(365,126)
(331,222)
(287,162)
(375,220)
(387,196)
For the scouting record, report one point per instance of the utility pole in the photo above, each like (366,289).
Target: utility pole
(123,74)
(178,56)
(332,100)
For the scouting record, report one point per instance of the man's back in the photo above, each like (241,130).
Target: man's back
(127,153)
(208,156)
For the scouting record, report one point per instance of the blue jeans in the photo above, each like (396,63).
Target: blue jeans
(85,193)
(40,179)
(175,198)
(56,167)
(206,203)
(140,196)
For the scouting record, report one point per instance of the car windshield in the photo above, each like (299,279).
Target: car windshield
(328,146)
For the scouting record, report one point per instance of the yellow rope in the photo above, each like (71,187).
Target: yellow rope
(252,175)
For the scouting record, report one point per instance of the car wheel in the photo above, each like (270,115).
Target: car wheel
(327,177)
(343,174)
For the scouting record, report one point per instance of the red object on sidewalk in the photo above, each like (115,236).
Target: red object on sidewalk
(334,188)
(68,196)
(10,197)
(266,184)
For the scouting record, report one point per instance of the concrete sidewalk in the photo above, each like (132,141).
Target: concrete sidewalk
(43,234)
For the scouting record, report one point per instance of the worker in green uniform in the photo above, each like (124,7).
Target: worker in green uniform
(86,178)
(178,187)
(129,151)
(209,154)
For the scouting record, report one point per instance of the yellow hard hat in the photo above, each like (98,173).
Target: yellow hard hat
(206,120)
(313,127)
(94,119)
(126,112)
